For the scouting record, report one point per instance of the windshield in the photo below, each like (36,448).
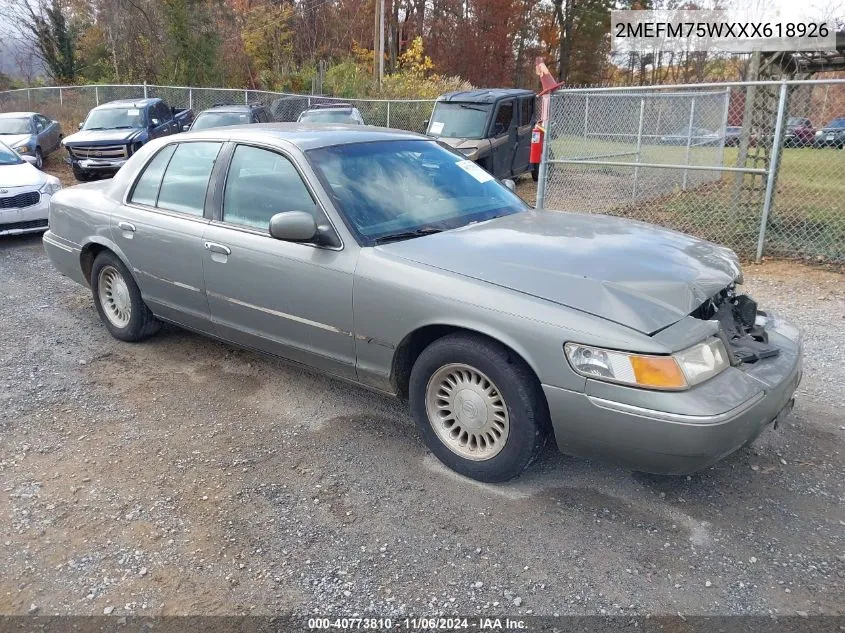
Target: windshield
(459,120)
(388,188)
(837,123)
(15,126)
(327,116)
(8,156)
(114,118)
(220,119)
(794,121)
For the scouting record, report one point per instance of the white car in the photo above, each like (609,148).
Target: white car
(25,193)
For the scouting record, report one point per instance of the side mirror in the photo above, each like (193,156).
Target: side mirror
(293,226)
(185,128)
(510,184)
(30,159)
(81,123)
(154,122)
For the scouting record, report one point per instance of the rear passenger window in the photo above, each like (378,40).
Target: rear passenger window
(527,108)
(186,177)
(504,116)
(146,189)
(261,184)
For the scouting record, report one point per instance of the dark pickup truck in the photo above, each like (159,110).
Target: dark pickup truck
(112,132)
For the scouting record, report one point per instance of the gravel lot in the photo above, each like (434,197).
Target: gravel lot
(183,476)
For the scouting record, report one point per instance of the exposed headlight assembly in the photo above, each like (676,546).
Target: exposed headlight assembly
(678,371)
(22,149)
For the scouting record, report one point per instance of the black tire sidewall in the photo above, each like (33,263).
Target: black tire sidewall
(39,158)
(519,388)
(137,327)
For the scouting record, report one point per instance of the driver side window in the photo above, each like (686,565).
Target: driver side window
(261,184)
(504,117)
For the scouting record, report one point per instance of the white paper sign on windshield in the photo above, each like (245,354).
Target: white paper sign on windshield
(133,112)
(474,170)
(436,127)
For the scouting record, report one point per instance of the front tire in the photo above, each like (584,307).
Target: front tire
(81,175)
(119,301)
(39,158)
(479,407)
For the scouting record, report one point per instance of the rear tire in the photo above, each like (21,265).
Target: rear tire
(535,172)
(479,407)
(118,300)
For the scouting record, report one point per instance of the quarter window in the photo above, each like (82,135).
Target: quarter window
(146,189)
(261,184)
(527,107)
(186,177)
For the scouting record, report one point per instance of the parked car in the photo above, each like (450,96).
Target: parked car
(799,132)
(502,325)
(696,136)
(30,134)
(831,135)
(112,132)
(491,127)
(222,115)
(732,135)
(331,113)
(25,193)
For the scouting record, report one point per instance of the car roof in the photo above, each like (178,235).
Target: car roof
(306,136)
(232,107)
(16,115)
(485,95)
(118,103)
(337,107)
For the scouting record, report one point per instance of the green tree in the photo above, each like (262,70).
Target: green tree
(54,37)
(192,42)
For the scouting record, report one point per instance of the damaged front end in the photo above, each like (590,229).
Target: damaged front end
(741,325)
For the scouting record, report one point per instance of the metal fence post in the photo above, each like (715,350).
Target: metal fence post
(61,98)
(543,170)
(246,98)
(586,114)
(145,89)
(97,94)
(639,148)
(689,141)
(774,167)
(190,98)
(388,114)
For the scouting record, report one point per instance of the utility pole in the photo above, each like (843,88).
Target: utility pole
(380,42)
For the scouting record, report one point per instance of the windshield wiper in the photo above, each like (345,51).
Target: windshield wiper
(469,107)
(123,127)
(406,235)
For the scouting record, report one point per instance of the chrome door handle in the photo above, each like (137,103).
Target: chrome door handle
(126,226)
(214,247)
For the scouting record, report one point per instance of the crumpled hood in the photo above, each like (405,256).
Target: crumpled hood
(13,139)
(639,275)
(102,137)
(462,143)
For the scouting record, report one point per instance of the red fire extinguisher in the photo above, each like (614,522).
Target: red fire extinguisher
(537,135)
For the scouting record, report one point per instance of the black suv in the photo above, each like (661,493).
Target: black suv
(221,115)
(491,127)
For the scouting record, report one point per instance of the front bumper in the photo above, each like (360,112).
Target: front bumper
(30,219)
(97,165)
(681,433)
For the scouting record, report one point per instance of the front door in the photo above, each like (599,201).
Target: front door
(291,299)
(160,231)
(503,138)
(522,153)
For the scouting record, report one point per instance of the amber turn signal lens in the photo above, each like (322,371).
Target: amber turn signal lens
(661,372)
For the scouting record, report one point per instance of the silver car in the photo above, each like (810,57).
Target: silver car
(25,194)
(383,258)
(30,134)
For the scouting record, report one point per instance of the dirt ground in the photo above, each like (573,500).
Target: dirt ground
(184,476)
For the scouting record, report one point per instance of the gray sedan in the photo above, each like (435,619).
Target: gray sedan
(30,134)
(383,258)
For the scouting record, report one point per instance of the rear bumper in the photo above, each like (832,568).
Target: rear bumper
(65,256)
(33,218)
(664,441)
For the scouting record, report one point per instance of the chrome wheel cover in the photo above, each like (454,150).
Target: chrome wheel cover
(114,296)
(467,412)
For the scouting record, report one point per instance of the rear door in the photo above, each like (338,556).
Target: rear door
(160,226)
(503,138)
(522,153)
(161,118)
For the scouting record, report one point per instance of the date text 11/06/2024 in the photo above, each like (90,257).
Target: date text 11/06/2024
(418,624)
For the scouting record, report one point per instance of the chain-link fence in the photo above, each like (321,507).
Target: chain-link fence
(757,166)
(70,105)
